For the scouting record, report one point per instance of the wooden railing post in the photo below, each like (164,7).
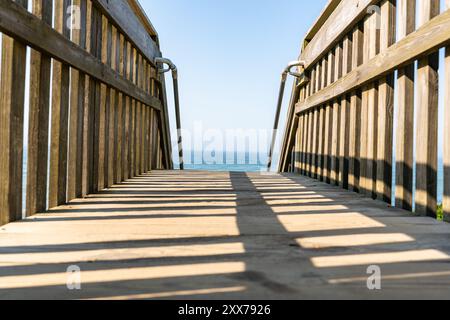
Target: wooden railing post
(386,107)
(405,113)
(40,74)
(446,203)
(427,122)
(12,96)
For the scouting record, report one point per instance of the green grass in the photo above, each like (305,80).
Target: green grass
(440,212)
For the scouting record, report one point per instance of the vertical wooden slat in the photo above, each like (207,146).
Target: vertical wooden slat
(40,77)
(314,143)
(100,119)
(132,143)
(368,109)
(372,120)
(137,140)
(446,200)
(298,144)
(321,143)
(335,140)
(114,95)
(96,106)
(328,142)
(308,143)
(427,122)
(120,103)
(355,114)
(12,97)
(120,128)
(405,113)
(126,138)
(151,141)
(88,113)
(335,131)
(143,128)
(386,107)
(60,116)
(344,134)
(76,116)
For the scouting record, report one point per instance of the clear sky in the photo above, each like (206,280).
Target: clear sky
(230,54)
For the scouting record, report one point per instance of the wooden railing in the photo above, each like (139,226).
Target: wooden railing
(366,60)
(97,105)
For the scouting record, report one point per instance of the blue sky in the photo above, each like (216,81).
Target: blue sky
(230,54)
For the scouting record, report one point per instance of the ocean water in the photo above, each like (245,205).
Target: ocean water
(226,161)
(236,162)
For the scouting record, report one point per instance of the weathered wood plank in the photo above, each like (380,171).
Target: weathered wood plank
(446,200)
(315,135)
(321,143)
(60,116)
(386,107)
(344,134)
(12,96)
(335,131)
(328,142)
(96,103)
(355,114)
(418,44)
(338,24)
(126,138)
(405,113)
(40,77)
(76,116)
(88,153)
(372,119)
(427,122)
(30,30)
(129,23)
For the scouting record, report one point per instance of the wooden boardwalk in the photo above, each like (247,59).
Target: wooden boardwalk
(224,235)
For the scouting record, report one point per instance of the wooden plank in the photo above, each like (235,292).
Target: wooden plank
(335,131)
(113,124)
(142,137)
(320,138)
(405,113)
(372,120)
(60,116)
(418,44)
(446,200)
(126,138)
(335,140)
(355,114)
(328,142)
(298,145)
(386,107)
(308,143)
(344,134)
(119,132)
(315,134)
(76,115)
(137,137)
(427,122)
(37,159)
(132,145)
(103,127)
(88,132)
(12,96)
(338,24)
(151,142)
(130,23)
(30,30)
